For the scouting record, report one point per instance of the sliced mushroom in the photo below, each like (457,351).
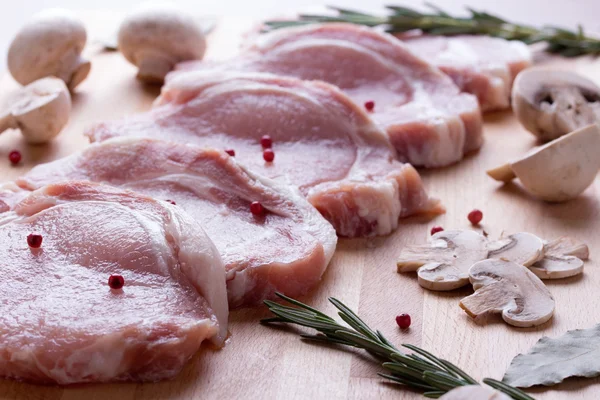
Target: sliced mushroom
(506,287)
(522,248)
(563,258)
(474,392)
(50,44)
(444,263)
(40,110)
(155,37)
(559,170)
(550,103)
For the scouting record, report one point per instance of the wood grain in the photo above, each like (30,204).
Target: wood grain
(263,363)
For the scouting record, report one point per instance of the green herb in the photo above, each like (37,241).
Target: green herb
(420,369)
(438,22)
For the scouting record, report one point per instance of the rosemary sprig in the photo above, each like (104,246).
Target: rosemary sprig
(419,370)
(438,22)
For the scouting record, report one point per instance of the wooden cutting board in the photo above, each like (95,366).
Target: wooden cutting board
(264,363)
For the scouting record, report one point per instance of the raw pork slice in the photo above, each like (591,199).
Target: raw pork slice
(286,250)
(481,65)
(324,144)
(429,121)
(60,321)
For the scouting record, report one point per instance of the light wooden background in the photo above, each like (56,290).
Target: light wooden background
(264,363)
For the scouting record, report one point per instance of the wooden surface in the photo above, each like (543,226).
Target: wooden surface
(264,363)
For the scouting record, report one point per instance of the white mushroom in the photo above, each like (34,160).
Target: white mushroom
(40,110)
(559,170)
(50,44)
(563,258)
(506,287)
(551,103)
(522,248)
(444,263)
(474,392)
(156,37)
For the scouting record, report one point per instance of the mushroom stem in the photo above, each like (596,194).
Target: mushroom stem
(412,258)
(503,173)
(154,67)
(484,300)
(8,121)
(80,72)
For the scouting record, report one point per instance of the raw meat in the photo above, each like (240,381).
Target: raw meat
(324,144)
(481,65)
(60,321)
(287,250)
(429,121)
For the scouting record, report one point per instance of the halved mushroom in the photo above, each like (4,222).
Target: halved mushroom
(559,170)
(155,37)
(551,103)
(509,288)
(563,258)
(444,263)
(474,392)
(50,44)
(40,110)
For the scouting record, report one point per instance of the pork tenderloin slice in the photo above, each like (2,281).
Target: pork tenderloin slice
(61,323)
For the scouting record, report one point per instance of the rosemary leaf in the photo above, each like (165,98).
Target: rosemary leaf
(365,343)
(459,372)
(403,370)
(327,339)
(302,305)
(435,394)
(442,381)
(427,355)
(406,382)
(409,361)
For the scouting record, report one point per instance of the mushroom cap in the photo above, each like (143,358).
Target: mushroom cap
(509,288)
(41,109)
(155,37)
(474,392)
(50,44)
(552,103)
(562,169)
(522,247)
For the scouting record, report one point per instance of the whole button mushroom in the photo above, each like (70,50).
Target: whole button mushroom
(551,103)
(156,37)
(40,110)
(557,171)
(50,44)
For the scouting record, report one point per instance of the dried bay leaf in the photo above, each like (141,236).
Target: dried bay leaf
(552,360)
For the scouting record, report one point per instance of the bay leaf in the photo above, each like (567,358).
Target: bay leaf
(552,360)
